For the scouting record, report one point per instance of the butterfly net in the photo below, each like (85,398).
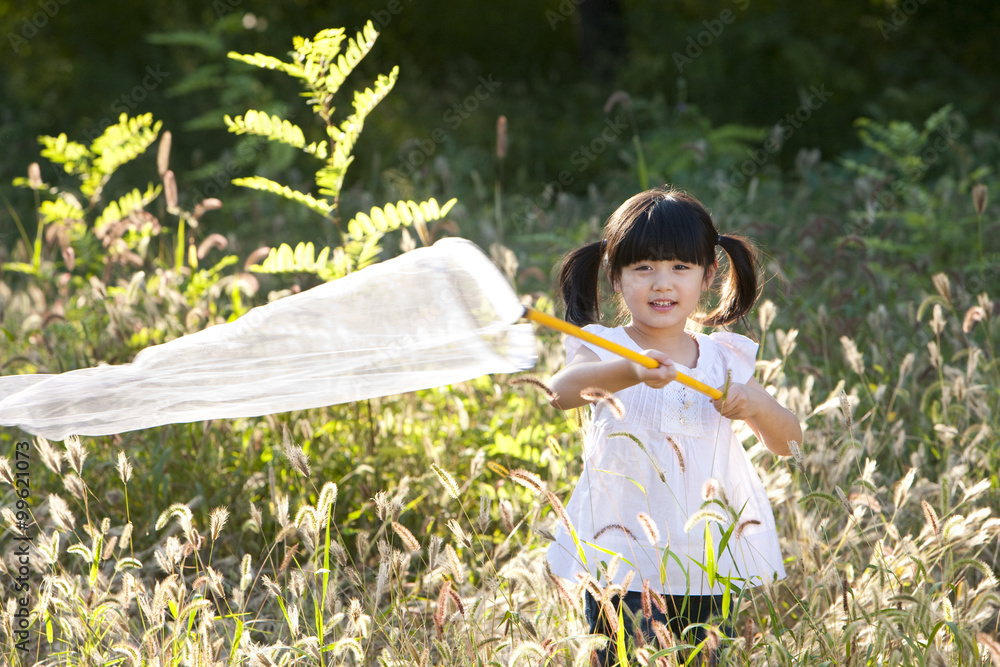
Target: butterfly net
(430,317)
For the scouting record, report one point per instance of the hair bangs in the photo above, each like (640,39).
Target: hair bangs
(667,230)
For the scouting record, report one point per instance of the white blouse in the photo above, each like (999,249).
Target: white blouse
(647,473)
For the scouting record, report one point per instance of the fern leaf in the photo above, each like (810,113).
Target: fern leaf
(302,259)
(74,157)
(59,210)
(126,205)
(357,49)
(391,217)
(118,145)
(321,206)
(274,128)
(269,62)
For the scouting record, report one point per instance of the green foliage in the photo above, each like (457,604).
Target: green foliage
(322,68)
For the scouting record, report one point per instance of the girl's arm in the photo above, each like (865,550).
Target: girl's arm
(587,370)
(774,425)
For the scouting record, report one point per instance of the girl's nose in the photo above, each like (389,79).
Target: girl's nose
(661,282)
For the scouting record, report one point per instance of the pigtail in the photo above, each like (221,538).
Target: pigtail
(740,288)
(579,283)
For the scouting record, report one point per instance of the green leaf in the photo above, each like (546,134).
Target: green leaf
(321,206)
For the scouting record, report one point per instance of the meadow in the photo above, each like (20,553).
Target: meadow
(411,530)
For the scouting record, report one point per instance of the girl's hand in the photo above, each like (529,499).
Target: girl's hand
(657,377)
(740,402)
(773,424)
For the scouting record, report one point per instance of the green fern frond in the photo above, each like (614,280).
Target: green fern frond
(126,205)
(301,260)
(75,157)
(57,210)
(321,206)
(357,49)
(269,62)
(118,145)
(382,220)
(274,128)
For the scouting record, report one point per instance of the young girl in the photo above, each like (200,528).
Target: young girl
(657,452)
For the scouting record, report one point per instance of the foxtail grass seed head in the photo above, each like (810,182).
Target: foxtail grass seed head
(75,454)
(979,198)
(617,98)
(616,527)
(844,588)
(60,513)
(766,314)
(446,480)
(433,551)
(381,505)
(943,286)
(560,511)
(484,520)
(163,153)
(34,176)
(75,485)
(796,452)
(935,354)
(246,572)
(257,517)
(931,517)
(534,382)
(297,458)
(507,516)
(845,408)
(459,532)
(746,523)
(454,563)
(217,520)
(528,480)
(50,455)
(678,453)
(442,608)
(6,474)
(937,320)
(710,489)
(601,397)
(844,500)
(124,468)
(973,316)
(854,358)
(406,537)
(650,529)
(170,190)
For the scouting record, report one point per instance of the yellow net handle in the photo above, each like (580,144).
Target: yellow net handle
(631,355)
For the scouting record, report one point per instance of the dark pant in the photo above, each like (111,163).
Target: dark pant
(683,610)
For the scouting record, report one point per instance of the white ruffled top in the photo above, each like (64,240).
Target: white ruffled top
(654,477)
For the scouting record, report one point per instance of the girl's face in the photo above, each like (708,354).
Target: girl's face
(662,294)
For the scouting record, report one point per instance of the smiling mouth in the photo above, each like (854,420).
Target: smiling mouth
(662,303)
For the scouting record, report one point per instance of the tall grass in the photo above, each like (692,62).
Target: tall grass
(412,530)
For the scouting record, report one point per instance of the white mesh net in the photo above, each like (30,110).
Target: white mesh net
(430,317)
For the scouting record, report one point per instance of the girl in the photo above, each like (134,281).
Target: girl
(657,453)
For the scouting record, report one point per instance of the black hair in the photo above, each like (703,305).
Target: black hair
(655,225)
